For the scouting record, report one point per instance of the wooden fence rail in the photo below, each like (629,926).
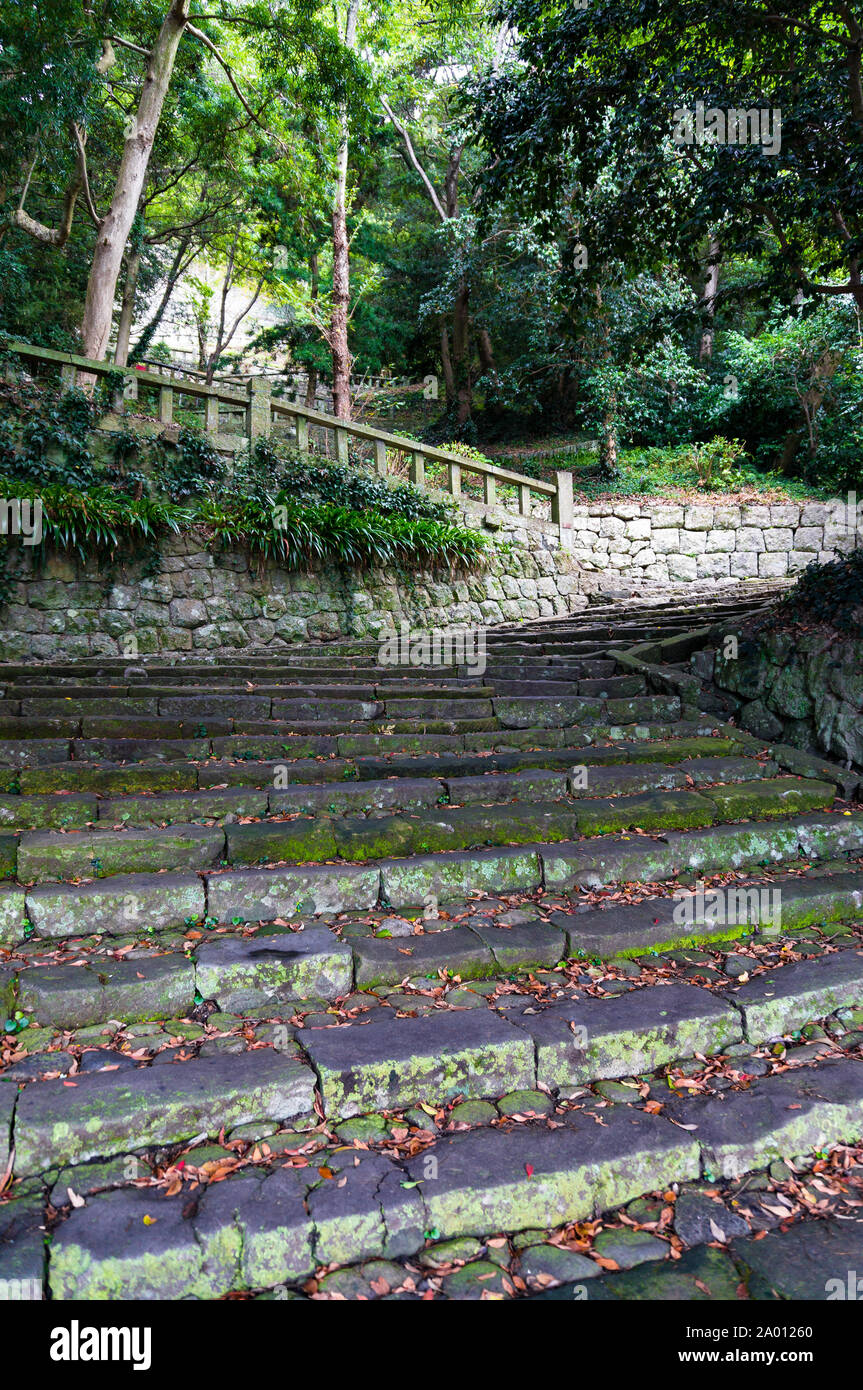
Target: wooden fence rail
(258,415)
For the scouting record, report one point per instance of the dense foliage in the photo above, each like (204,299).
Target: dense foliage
(521,226)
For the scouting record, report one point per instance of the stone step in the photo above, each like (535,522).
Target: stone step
(267,894)
(101,852)
(641,743)
(102,1113)
(277,1228)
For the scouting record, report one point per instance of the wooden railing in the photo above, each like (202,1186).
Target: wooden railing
(257,415)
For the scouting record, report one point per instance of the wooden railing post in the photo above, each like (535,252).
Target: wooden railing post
(418,469)
(67,376)
(302,434)
(166,405)
(561,504)
(341,446)
(381,458)
(211,414)
(489,491)
(258,413)
(454,470)
(524,499)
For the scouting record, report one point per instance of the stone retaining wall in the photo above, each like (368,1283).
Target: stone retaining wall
(195,601)
(805,688)
(203,603)
(682,543)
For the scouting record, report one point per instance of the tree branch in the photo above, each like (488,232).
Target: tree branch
(85,181)
(411,153)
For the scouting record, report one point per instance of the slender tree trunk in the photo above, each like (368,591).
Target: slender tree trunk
(341,259)
(461,354)
(708,300)
(311,370)
(446,365)
(486,352)
(179,264)
(114,228)
(127,308)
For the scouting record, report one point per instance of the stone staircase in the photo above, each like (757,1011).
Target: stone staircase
(325,978)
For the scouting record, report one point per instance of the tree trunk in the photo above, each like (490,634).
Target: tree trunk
(461,353)
(486,353)
(341,261)
(114,228)
(708,300)
(446,365)
(178,266)
(127,309)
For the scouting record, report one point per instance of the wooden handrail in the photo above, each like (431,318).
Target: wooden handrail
(260,410)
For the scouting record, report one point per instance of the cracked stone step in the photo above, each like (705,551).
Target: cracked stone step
(390,1064)
(240,973)
(584,1040)
(784,999)
(104,1113)
(76,996)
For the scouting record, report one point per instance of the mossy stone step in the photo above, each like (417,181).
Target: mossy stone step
(44,854)
(532,1177)
(788,1114)
(79,706)
(675,810)
(262,895)
(453,875)
(213,804)
(535,784)
(47,812)
(106,1112)
(780,796)
(451,828)
(403,794)
(783,999)
(459,951)
(389,1064)
(119,750)
(579,1041)
(301,841)
(539,712)
(595,864)
(239,973)
(116,906)
(73,996)
(109,778)
(33,752)
(8,855)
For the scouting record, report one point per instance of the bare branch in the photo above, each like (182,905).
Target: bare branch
(411,153)
(80,141)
